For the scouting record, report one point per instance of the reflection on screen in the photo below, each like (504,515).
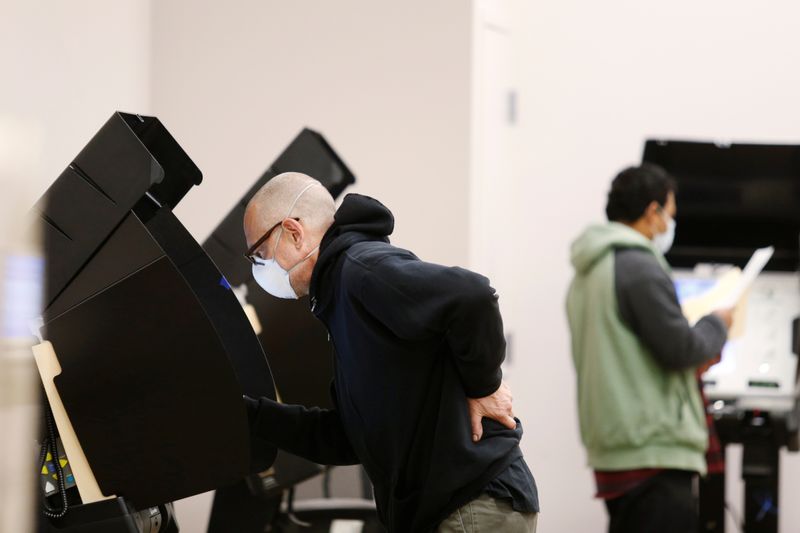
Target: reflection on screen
(689,288)
(21,294)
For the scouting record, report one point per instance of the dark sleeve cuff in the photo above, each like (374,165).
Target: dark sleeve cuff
(719,331)
(251,405)
(485,387)
(263,416)
(262,450)
(717,321)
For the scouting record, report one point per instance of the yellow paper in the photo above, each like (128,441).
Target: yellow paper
(252,316)
(49,367)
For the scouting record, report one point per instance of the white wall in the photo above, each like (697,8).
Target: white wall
(67,66)
(385,83)
(597,78)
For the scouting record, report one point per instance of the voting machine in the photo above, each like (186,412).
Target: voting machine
(141,334)
(732,200)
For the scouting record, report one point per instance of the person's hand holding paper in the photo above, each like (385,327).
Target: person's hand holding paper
(727,299)
(728,316)
(754,267)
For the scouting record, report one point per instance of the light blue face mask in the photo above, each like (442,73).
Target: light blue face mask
(271,276)
(663,241)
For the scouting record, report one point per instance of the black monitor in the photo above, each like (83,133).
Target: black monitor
(732,199)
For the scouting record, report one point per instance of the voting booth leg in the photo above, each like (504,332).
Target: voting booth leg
(236,508)
(712,504)
(760,474)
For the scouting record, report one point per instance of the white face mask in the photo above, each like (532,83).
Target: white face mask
(271,276)
(663,241)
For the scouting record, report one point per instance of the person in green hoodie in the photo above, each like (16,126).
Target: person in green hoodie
(636,357)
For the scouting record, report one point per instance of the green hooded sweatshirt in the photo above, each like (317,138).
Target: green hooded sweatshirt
(634,413)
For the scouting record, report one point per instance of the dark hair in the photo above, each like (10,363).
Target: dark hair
(635,188)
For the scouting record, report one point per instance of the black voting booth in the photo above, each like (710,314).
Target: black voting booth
(733,199)
(145,328)
(298,347)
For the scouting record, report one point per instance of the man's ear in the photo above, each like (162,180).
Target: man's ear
(652,209)
(295,231)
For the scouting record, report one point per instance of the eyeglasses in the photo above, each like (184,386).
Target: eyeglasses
(250,253)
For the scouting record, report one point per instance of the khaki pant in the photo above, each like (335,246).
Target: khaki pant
(485,514)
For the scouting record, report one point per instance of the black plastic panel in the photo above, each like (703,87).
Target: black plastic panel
(300,354)
(214,294)
(118,163)
(144,325)
(129,250)
(181,171)
(68,239)
(311,154)
(129,157)
(733,199)
(152,398)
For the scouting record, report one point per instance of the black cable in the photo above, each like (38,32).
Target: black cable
(51,444)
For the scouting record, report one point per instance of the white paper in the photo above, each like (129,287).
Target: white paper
(754,267)
(347,526)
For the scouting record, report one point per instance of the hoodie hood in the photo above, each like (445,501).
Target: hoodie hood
(360,214)
(359,218)
(598,240)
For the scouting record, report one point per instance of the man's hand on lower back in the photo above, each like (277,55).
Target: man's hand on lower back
(497,406)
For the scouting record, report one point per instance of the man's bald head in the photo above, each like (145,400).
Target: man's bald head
(304,196)
(303,209)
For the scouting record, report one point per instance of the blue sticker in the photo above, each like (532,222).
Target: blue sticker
(224,282)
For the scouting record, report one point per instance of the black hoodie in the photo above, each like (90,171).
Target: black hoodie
(412,341)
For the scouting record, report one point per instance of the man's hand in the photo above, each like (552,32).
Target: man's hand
(726,315)
(496,406)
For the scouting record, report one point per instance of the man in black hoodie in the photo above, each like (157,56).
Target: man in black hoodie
(417,384)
